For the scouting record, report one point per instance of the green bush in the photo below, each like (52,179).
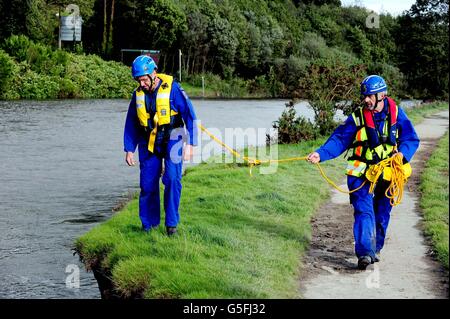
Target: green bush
(8,71)
(39,72)
(17,46)
(262,86)
(293,129)
(96,78)
(68,89)
(329,82)
(37,86)
(44,60)
(38,56)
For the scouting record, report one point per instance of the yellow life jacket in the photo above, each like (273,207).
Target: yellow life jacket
(368,148)
(164,113)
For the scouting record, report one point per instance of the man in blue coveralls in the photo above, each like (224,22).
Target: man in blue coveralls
(374,132)
(160,120)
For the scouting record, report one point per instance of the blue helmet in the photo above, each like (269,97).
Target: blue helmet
(143,65)
(373,84)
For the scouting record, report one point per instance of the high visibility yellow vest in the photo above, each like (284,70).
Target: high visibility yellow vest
(164,113)
(363,155)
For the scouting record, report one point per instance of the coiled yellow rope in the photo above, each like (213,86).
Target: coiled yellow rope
(398,177)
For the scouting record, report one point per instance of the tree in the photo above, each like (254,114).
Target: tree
(318,2)
(196,45)
(12,17)
(107,26)
(331,84)
(165,23)
(422,40)
(223,44)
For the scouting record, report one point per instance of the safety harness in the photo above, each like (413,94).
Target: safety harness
(162,119)
(370,147)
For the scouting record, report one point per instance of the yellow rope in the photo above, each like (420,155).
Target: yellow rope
(394,192)
(211,135)
(337,187)
(254,161)
(398,178)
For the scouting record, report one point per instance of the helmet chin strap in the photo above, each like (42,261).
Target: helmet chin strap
(378,99)
(152,81)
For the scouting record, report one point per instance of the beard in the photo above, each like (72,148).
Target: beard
(370,107)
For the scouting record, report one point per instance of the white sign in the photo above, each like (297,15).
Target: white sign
(71,28)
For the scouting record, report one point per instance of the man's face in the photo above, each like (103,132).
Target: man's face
(370,101)
(145,82)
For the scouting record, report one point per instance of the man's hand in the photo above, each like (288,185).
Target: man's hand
(314,158)
(188,152)
(129,159)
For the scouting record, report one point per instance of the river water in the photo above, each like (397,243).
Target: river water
(62,172)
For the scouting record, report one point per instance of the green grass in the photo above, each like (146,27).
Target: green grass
(239,236)
(197,91)
(216,87)
(434,201)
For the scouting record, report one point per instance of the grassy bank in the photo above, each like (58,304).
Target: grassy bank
(240,236)
(216,87)
(434,200)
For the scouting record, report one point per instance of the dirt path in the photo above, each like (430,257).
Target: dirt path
(406,269)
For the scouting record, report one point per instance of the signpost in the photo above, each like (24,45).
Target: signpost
(69,25)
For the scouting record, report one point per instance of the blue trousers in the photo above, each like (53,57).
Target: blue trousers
(149,198)
(371,216)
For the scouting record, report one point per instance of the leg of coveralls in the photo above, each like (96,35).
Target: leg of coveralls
(149,207)
(172,182)
(364,218)
(382,208)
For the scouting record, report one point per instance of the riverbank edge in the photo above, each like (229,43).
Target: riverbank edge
(104,275)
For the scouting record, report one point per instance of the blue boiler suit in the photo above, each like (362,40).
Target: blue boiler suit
(371,211)
(151,164)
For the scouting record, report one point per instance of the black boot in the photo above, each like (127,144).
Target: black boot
(377,257)
(363,262)
(171,231)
